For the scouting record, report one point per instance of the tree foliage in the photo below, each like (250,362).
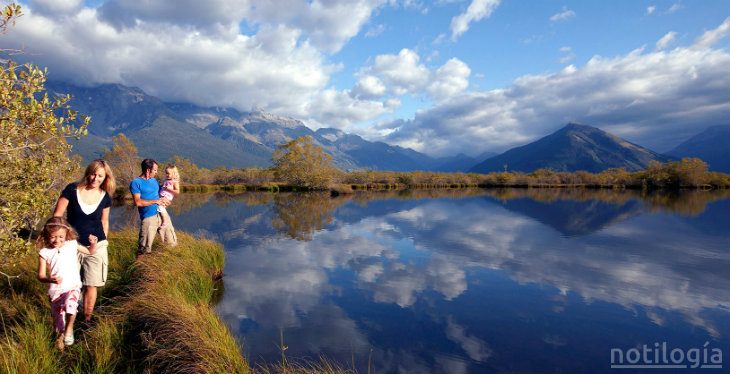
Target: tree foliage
(34,154)
(301,163)
(124,160)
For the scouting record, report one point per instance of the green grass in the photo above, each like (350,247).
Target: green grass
(152,316)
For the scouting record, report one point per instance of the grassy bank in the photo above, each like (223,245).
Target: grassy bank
(153,316)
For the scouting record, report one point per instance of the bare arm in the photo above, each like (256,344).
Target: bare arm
(175,187)
(139,202)
(105,220)
(61,206)
(42,276)
(89,251)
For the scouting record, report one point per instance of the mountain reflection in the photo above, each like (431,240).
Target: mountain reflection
(447,281)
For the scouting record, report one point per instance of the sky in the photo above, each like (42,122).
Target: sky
(442,77)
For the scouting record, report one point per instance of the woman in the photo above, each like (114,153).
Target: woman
(88,203)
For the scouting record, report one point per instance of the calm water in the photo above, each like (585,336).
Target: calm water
(473,281)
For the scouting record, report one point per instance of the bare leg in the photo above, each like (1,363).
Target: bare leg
(70,318)
(59,342)
(89,301)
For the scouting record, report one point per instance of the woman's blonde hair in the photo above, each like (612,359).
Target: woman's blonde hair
(174,173)
(109,185)
(52,225)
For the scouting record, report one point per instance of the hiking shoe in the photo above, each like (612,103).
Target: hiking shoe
(68,339)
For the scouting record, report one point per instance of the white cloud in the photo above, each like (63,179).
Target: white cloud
(567,56)
(369,86)
(564,15)
(449,80)
(404,73)
(194,52)
(710,37)
(474,347)
(327,25)
(57,7)
(338,109)
(666,40)
(375,31)
(655,99)
(477,10)
(675,7)
(650,9)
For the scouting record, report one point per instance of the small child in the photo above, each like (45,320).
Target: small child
(170,187)
(59,256)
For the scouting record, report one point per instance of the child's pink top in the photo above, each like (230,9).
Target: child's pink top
(166,188)
(63,262)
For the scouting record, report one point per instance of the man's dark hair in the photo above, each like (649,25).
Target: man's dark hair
(148,164)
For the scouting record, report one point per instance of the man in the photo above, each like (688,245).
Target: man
(146,192)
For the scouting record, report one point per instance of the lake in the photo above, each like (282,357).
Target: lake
(473,280)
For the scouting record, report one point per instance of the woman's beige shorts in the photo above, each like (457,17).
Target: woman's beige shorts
(94,267)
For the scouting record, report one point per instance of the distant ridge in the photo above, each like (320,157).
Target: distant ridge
(572,148)
(215,136)
(711,145)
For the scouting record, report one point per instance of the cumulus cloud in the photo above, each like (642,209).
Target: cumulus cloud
(369,86)
(564,15)
(666,40)
(404,73)
(449,79)
(57,7)
(128,13)
(477,10)
(675,7)
(194,52)
(656,99)
(650,9)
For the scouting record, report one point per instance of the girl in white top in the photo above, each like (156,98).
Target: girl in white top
(59,257)
(169,189)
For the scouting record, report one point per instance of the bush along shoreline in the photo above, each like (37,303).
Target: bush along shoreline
(154,315)
(688,173)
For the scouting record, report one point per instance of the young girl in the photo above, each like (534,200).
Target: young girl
(59,256)
(170,187)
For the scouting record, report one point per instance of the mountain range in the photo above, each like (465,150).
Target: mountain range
(711,145)
(215,136)
(573,147)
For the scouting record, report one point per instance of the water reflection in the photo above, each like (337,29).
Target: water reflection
(471,280)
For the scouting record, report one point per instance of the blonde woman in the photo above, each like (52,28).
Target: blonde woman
(87,204)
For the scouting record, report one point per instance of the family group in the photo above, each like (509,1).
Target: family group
(74,250)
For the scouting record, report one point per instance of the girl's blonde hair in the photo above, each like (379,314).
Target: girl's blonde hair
(174,173)
(109,185)
(52,225)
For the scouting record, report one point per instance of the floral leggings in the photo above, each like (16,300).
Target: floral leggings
(66,303)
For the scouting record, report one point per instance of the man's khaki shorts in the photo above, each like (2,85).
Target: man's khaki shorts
(94,267)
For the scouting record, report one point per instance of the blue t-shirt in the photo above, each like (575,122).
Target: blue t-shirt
(148,189)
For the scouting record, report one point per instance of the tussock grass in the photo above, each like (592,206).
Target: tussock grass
(27,343)
(323,366)
(177,330)
(153,316)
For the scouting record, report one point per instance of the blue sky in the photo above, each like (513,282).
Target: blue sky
(441,77)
